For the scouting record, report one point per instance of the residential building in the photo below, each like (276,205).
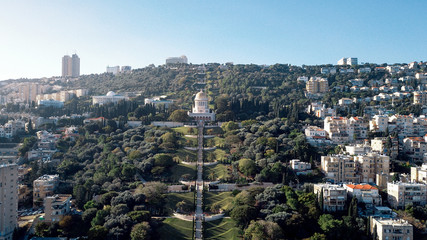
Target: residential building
(379,123)
(339,129)
(370,164)
(70,66)
(300,167)
(345,101)
(175,60)
(29,92)
(420,97)
(201,109)
(360,127)
(43,187)
(358,149)
(391,229)
(419,174)
(110,97)
(317,85)
(339,169)
(328,70)
(415,148)
(57,206)
(8,200)
(302,79)
(364,193)
(385,145)
(347,61)
(357,82)
(126,69)
(401,194)
(114,70)
(316,136)
(333,197)
(364,70)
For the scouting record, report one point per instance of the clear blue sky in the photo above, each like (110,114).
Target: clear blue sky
(34,35)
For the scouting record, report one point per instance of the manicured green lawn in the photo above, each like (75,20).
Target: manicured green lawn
(186,155)
(175,229)
(180,169)
(222,229)
(185,130)
(218,171)
(225,199)
(173,198)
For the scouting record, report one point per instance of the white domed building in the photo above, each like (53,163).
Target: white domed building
(110,97)
(201,109)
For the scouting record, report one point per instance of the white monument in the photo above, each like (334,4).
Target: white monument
(201,109)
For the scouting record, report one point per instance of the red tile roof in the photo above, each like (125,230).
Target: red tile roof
(361,186)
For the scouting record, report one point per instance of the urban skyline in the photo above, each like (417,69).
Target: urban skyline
(142,33)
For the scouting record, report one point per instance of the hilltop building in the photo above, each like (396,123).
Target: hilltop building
(71,66)
(334,197)
(201,109)
(57,206)
(347,61)
(175,60)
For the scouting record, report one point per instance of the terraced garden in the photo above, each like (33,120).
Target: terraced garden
(173,198)
(217,172)
(224,199)
(175,229)
(222,229)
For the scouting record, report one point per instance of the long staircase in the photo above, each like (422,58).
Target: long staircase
(198,231)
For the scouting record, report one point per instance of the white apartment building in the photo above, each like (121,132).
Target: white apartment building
(358,149)
(43,187)
(339,169)
(371,164)
(299,166)
(302,79)
(379,123)
(391,229)
(347,61)
(175,60)
(339,129)
(314,131)
(364,193)
(328,70)
(334,197)
(114,70)
(364,70)
(110,97)
(401,194)
(419,174)
(8,200)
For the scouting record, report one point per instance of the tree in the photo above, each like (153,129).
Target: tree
(243,214)
(229,126)
(97,233)
(140,216)
(107,197)
(41,229)
(141,231)
(263,230)
(352,209)
(179,116)
(247,167)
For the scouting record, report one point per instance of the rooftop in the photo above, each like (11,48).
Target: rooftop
(362,186)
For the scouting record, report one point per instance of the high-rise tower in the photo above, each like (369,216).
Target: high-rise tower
(71,66)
